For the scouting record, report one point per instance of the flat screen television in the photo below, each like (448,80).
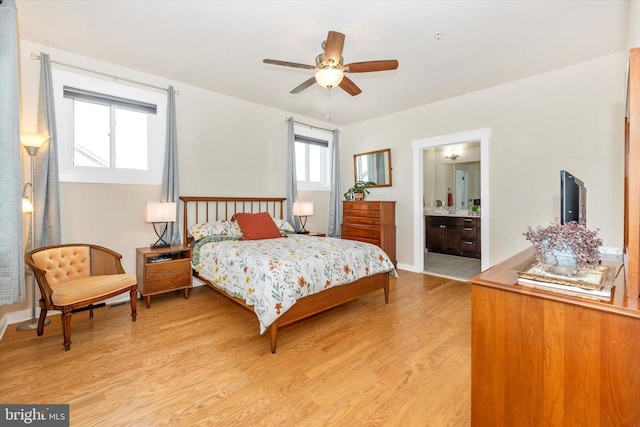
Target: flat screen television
(573,198)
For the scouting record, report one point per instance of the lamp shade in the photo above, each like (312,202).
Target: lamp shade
(329,77)
(160,212)
(33,139)
(302,208)
(32,142)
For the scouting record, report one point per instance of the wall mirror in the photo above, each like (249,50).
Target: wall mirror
(462,179)
(374,166)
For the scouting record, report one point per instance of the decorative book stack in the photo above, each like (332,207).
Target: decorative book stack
(596,283)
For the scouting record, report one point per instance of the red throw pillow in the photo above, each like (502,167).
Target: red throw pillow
(256,226)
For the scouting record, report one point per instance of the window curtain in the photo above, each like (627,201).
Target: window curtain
(335,197)
(292,181)
(170,191)
(11,237)
(46,185)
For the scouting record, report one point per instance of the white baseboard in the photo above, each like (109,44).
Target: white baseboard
(17,317)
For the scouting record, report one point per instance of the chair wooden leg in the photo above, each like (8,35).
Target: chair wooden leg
(41,320)
(133,296)
(66,329)
(90,311)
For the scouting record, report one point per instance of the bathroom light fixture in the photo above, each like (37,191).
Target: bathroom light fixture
(303,210)
(452,156)
(159,212)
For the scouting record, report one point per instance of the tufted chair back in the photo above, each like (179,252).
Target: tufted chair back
(64,263)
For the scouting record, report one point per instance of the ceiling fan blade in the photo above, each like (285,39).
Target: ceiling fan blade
(365,67)
(304,85)
(349,86)
(333,47)
(288,64)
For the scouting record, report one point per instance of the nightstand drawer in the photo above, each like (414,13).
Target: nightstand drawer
(167,283)
(168,268)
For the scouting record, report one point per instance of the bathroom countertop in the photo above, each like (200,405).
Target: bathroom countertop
(456,214)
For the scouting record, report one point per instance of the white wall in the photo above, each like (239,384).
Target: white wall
(566,119)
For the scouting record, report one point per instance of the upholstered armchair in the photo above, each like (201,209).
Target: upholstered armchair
(78,275)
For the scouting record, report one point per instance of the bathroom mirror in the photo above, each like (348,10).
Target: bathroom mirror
(462,179)
(374,166)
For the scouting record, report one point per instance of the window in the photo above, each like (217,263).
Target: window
(313,166)
(108,132)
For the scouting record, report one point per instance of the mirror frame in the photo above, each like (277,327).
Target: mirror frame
(355,166)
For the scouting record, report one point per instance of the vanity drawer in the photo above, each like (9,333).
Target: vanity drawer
(442,220)
(469,248)
(468,232)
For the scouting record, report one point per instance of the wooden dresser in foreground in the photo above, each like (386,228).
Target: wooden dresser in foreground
(371,222)
(545,359)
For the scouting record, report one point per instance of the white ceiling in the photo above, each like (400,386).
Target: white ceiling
(220,45)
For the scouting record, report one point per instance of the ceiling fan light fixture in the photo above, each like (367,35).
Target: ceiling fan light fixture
(329,77)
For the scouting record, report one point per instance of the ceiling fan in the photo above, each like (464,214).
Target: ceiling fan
(330,69)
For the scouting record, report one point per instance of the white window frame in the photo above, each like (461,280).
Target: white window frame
(68,172)
(325,163)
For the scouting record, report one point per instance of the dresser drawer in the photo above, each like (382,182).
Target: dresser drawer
(361,217)
(362,239)
(361,206)
(355,232)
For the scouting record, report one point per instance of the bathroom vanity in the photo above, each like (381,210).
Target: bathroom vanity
(453,234)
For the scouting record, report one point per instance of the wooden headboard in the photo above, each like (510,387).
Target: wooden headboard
(199,209)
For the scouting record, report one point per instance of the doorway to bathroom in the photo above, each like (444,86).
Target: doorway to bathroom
(455,163)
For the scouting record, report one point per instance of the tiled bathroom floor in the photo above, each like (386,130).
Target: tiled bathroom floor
(456,267)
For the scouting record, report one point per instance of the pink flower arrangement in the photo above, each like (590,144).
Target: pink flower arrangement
(572,236)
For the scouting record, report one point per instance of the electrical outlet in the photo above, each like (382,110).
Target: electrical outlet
(609,250)
(608,253)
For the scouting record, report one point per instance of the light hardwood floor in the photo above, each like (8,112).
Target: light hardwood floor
(201,361)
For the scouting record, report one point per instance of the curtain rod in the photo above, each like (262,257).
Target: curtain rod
(37,57)
(313,127)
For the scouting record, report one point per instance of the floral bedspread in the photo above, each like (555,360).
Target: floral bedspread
(272,274)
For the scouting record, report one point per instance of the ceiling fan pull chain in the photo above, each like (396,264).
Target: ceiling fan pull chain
(329,105)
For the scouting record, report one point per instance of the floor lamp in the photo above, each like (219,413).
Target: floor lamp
(31,143)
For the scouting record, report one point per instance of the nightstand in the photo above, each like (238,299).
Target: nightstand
(161,270)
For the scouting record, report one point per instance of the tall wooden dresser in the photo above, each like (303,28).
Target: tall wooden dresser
(371,222)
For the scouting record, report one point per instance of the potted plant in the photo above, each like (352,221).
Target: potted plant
(359,190)
(566,249)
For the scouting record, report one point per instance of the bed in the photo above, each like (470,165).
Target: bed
(282,280)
